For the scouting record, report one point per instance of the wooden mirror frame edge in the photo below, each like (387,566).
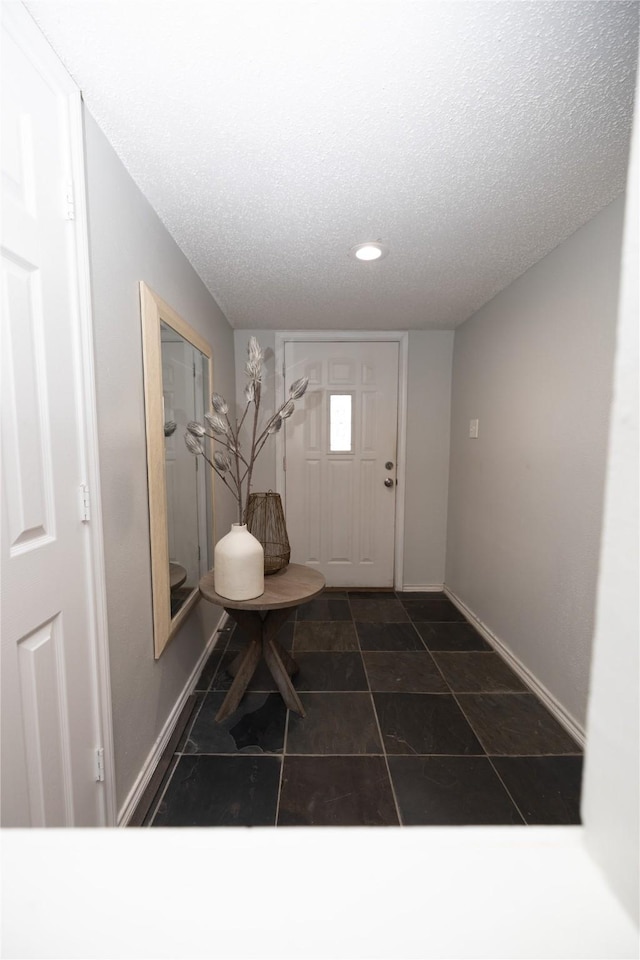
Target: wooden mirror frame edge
(153,311)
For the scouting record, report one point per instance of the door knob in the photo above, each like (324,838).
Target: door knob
(388,482)
(389,465)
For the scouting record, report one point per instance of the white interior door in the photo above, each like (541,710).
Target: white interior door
(50,704)
(340,455)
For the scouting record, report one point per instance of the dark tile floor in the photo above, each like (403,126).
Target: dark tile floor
(411,719)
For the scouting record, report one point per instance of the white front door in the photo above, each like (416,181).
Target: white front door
(50,701)
(340,454)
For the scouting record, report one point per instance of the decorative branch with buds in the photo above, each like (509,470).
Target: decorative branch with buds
(230,464)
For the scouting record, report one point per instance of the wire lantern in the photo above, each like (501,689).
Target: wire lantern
(265,520)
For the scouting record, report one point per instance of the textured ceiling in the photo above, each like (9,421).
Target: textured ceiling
(270,137)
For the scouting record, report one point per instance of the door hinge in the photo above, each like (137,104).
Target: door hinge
(70,201)
(100,765)
(84,502)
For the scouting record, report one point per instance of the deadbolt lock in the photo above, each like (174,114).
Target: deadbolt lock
(389,465)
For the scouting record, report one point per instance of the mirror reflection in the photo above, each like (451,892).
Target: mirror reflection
(177,388)
(185,389)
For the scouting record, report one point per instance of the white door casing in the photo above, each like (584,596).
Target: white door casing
(57,756)
(341,517)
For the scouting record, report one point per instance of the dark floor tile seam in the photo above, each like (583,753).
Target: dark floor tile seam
(384,752)
(177,755)
(225,637)
(405,623)
(175,758)
(444,756)
(414,753)
(508,792)
(351,615)
(280,756)
(205,689)
(223,650)
(531,756)
(238,753)
(392,693)
(232,756)
(367,596)
(447,683)
(490,758)
(155,806)
(463,622)
(186,733)
(479,738)
(497,693)
(174,766)
(284,754)
(378,753)
(509,694)
(298,690)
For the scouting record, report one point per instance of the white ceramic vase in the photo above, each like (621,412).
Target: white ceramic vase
(238,565)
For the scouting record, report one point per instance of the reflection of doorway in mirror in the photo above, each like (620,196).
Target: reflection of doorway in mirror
(183,392)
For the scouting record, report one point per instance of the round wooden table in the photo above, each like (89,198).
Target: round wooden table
(261,619)
(177,575)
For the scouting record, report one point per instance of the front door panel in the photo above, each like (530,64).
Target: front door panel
(340,514)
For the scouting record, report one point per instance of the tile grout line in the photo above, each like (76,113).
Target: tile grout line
(480,741)
(153,809)
(286,726)
(384,754)
(384,751)
(418,693)
(457,702)
(319,756)
(508,792)
(186,734)
(375,714)
(284,753)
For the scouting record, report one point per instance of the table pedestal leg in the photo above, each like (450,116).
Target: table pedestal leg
(245,665)
(261,632)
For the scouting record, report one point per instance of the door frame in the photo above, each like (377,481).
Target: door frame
(27,35)
(401,337)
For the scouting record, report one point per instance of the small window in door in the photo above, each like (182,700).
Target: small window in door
(341,423)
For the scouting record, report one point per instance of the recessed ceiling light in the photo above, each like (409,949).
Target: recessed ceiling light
(372,250)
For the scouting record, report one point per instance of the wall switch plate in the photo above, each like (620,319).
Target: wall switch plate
(473,429)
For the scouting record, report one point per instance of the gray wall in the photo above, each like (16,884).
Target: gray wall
(428,402)
(428,429)
(128,243)
(535,366)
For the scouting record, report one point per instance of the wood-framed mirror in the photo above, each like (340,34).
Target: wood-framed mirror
(178,374)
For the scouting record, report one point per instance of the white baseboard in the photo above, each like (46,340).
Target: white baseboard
(152,761)
(422,587)
(554,706)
